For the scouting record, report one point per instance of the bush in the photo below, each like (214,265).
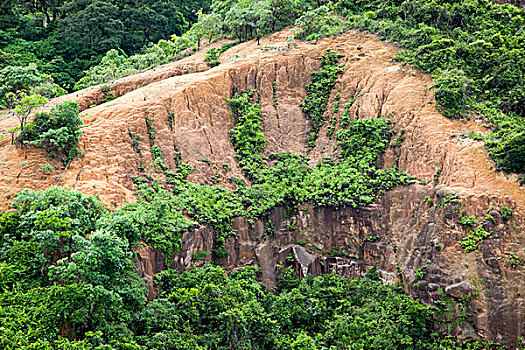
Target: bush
(317,23)
(212,55)
(452,92)
(58,132)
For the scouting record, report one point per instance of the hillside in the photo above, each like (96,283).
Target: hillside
(196,97)
(412,232)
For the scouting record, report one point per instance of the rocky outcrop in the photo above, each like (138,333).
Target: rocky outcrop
(412,238)
(412,233)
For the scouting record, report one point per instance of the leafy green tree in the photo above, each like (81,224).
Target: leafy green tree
(18,81)
(283,13)
(83,37)
(50,8)
(319,22)
(26,105)
(75,280)
(207,26)
(151,22)
(248,19)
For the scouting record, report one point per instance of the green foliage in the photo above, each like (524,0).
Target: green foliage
(452,91)
(209,310)
(247,135)
(399,140)
(61,276)
(150,129)
(319,22)
(46,168)
(331,127)
(17,82)
(474,225)
(336,103)
(212,55)
(513,260)
(208,25)
(475,136)
(471,242)
(318,92)
(26,105)
(67,281)
(345,117)
(506,212)
(63,40)
(354,180)
(108,95)
(448,198)
(116,64)
(58,131)
(437,175)
(506,143)
(365,140)
(473,53)
(156,154)
(469,221)
(158,221)
(247,19)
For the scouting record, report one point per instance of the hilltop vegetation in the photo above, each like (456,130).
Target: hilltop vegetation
(65,37)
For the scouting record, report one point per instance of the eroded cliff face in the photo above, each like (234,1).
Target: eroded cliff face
(412,233)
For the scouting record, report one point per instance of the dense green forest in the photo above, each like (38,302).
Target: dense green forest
(66,37)
(67,280)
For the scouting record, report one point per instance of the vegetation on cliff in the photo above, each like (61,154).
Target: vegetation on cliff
(67,279)
(58,132)
(280,179)
(68,282)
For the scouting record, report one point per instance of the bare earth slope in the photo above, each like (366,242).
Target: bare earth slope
(416,233)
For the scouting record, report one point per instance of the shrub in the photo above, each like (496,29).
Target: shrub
(58,131)
(212,55)
(16,82)
(452,92)
(317,23)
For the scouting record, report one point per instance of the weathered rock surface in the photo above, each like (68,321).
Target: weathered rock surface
(410,232)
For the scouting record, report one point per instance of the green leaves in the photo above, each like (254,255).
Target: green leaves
(24,88)
(247,135)
(354,180)
(212,55)
(318,92)
(453,90)
(365,139)
(220,312)
(57,132)
(59,276)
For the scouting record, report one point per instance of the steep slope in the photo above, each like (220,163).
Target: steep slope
(413,232)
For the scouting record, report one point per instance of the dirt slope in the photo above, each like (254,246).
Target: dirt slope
(201,121)
(434,149)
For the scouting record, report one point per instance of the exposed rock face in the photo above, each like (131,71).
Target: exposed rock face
(412,233)
(414,242)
